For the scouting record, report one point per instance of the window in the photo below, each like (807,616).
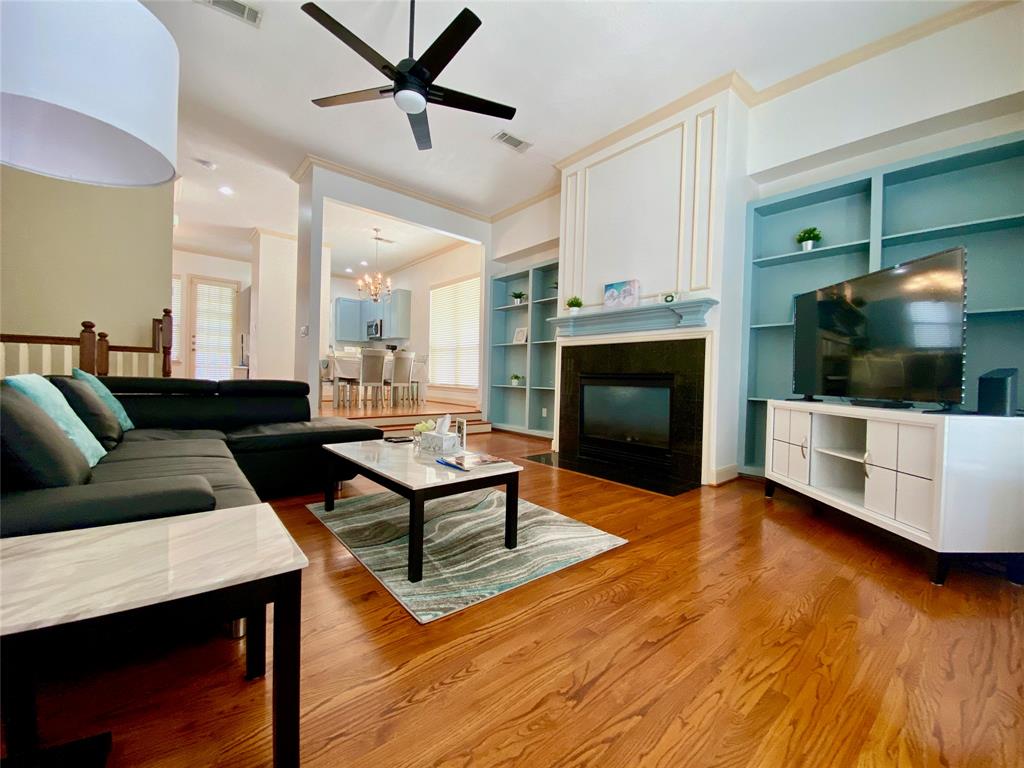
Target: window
(213,327)
(176,318)
(455,334)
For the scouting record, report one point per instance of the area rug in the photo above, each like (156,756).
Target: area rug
(464,557)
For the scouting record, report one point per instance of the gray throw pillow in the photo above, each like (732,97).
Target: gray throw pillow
(34,451)
(90,408)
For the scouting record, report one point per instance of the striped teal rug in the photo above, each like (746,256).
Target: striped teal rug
(464,557)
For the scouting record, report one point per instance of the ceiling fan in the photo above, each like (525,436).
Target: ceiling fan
(412,81)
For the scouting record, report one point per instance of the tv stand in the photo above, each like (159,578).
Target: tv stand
(950,483)
(898,404)
(804,399)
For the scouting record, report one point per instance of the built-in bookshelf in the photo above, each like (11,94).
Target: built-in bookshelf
(971,196)
(529,405)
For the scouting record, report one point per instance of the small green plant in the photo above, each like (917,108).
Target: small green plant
(574,302)
(424,426)
(811,233)
(520,295)
(515,378)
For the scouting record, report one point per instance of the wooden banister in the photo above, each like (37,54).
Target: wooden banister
(102,354)
(87,347)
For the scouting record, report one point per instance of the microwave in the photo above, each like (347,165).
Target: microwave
(375,330)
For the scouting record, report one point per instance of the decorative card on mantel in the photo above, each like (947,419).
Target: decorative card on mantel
(625,293)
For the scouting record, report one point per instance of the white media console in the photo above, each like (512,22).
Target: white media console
(951,483)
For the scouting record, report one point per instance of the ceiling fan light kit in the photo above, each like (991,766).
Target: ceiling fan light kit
(413,79)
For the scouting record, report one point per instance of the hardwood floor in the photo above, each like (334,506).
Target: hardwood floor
(371,410)
(730,631)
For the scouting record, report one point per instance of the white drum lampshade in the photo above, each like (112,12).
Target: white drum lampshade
(89,91)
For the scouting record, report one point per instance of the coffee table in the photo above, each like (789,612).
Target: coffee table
(227,563)
(416,476)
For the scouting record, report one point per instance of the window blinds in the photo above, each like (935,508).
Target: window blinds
(455,334)
(213,323)
(176,318)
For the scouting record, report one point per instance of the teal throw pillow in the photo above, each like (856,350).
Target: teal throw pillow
(106,396)
(52,402)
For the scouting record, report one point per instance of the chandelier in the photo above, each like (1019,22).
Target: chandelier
(375,285)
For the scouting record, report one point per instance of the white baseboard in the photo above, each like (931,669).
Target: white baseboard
(725,474)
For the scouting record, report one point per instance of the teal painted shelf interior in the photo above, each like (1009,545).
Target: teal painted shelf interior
(971,196)
(528,407)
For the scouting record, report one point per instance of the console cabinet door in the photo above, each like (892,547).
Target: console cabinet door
(914,503)
(800,463)
(800,428)
(880,490)
(881,444)
(917,450)
(780,458)
(781,426)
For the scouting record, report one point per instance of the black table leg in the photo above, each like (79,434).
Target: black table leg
(769,488)
(938,567)
(330,486)
(416,537)
(512,511)
(256,642)
(287,640)
(18,697)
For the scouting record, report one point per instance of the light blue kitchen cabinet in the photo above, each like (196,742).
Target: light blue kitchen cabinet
(398,315)
(347,320)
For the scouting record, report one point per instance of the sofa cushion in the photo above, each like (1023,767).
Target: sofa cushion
(156,449)
(155,385)
(52,402)
(262,387)
(230,488)
(106,396)
(35,451)
(299,434)
(147,435)
(91,409)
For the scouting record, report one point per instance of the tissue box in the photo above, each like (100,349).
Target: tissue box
(433,442)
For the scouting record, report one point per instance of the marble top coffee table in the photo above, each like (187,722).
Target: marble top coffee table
(228,562)
(416,476)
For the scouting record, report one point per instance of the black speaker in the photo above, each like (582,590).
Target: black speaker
(997,392)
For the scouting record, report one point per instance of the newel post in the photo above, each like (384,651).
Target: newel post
(102,354)
(87,347)
(166,341)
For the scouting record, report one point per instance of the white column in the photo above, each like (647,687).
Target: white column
(310,309)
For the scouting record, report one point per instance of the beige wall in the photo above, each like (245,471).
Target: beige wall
(71,252)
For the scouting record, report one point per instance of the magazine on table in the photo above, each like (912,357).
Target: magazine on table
(468,461)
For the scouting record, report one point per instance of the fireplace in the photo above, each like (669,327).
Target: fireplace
(633,413)
(626,417)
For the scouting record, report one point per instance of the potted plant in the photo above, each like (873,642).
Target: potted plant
(808,237)
(518,297)
(574,303)
(517,380)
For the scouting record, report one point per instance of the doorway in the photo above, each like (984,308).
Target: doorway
(213,304)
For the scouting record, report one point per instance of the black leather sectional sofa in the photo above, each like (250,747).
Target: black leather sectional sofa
(197,445)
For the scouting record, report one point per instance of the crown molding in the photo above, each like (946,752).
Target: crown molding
(208,252)
(926,28)
(312,160)
(524,204)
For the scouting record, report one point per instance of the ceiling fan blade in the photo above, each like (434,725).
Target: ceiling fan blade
(447,44)
(370,94)
(421,129)
(333,26)
(446,97)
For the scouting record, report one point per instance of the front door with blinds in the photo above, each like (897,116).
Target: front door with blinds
(212,327)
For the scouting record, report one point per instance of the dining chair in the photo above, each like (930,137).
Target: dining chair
(371,373)
(401,376)
(419,380)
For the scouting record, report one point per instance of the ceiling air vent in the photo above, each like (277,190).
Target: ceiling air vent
(241,11)
(511,141)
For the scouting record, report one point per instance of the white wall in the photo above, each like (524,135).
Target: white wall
(186,264)
(977,62)
(273,330)
(526,229)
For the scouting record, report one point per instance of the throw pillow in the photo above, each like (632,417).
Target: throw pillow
(84,401)
(106,396)
(35,451)
(48,397)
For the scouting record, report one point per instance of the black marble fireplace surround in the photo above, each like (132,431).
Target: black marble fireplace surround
(664,461)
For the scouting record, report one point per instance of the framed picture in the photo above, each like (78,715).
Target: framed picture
(625,293)
(520,336)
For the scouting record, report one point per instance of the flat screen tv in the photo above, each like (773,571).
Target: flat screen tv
(892,335)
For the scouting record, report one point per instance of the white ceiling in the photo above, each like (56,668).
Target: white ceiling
(575,70)
(349,231)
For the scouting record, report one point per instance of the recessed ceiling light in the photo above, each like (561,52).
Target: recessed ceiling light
(364,263)
(226,191)
(348,269)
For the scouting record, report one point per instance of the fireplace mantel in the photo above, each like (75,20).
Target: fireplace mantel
(646,317)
